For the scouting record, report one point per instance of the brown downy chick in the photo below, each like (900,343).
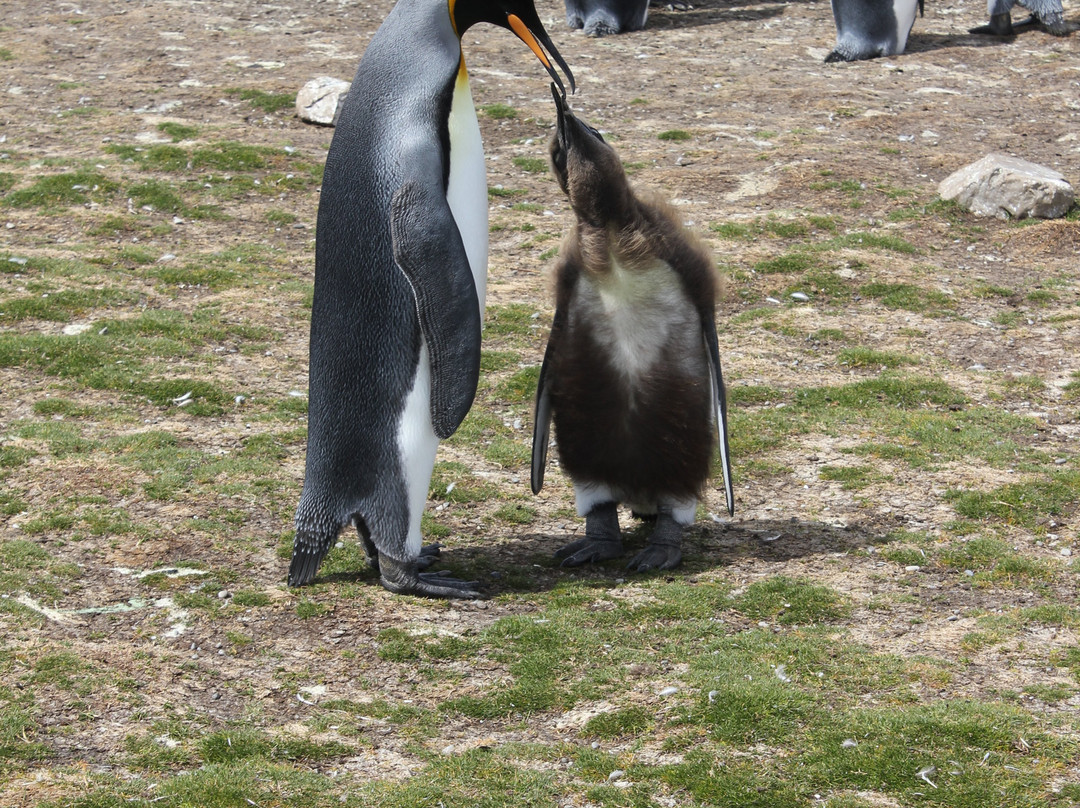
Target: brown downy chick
(631,376)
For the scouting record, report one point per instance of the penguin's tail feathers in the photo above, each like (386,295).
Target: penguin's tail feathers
(308,553)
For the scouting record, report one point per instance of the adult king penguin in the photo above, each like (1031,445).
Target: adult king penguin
(866,29)
(631,374)
(400,269)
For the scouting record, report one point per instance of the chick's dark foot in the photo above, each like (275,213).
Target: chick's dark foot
(664,550)
(1055,24)
(602,540)
(999,25)
(405,578)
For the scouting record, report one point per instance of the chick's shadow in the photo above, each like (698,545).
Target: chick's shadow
(526,563)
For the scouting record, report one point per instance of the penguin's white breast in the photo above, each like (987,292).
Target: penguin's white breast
(467,189)
(904,10)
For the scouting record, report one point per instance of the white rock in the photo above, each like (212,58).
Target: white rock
(1003,186)
(319,100)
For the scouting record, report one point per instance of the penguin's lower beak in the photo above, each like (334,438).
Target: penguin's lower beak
(533,34)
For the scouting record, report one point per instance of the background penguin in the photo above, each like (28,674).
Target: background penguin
(1048,13)
(400,266)
(603,17)
(631,375)
(866,29)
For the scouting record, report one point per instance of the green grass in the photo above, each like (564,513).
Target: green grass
(868,357)
(791,602)
(531,165)
(157,195)
(62,305)
(499,111)
(511,320)
(852,477)
(676,135)
(178,131)
(267,102)
(789,263)
(1027,504)
(62,191)
(907,296)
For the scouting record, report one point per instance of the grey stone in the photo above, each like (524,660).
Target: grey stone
(1003,186)
(320,99)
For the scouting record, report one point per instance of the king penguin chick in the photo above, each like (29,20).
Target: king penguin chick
(631,374)
(1047,13)
(400,269)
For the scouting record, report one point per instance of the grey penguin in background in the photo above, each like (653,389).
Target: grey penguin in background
(604,17)
(1048,13)
(400,271)
(866,29)
(631,375)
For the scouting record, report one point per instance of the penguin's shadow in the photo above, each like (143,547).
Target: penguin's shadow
(712,13)
(925,43)
(526,563)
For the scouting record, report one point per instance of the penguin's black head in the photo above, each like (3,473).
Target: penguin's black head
(587,168)
(520,17)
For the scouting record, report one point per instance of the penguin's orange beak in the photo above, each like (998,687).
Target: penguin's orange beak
(535,36)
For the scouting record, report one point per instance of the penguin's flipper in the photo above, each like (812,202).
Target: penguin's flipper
(429,251)
(542,411)
(708,327)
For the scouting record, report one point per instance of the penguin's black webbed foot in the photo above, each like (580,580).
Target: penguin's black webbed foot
(600,27)
(429,554)
(405,578)
(588,551)
(602,541)
(664,551)
(999,25)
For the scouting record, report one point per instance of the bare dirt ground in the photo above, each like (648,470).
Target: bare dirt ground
(770,127)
